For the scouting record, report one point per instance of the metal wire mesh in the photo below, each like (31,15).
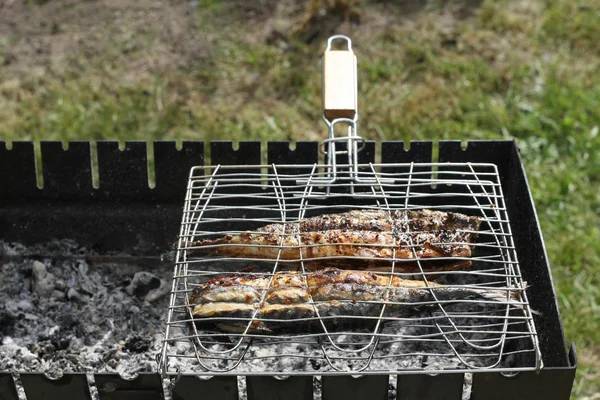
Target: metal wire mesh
(437,335)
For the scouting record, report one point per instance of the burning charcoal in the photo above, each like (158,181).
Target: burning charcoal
(75,344)
(111,355)
(60,284)
(136,322)
(44,282)
(47,349)
(72,324)
(142,283)
(7,324)
(510,361)
(59,342)
(24,305)
(11,308)
(63,247)
(85,283)
(136,344)
(182,348)
(72,294)
(13,249)
(391,391)
(27,271)
(318,383)
(315,364)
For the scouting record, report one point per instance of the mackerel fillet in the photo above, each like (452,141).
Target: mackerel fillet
(358,239)
(293,301)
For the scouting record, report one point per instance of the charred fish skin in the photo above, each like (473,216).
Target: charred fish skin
(386,221)
(292,301)
(366,237)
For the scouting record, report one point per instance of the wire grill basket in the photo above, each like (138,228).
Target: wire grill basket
(437,336)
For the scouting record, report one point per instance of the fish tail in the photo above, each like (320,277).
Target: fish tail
(195,247)
(512,295)
(212,242)
(501,296)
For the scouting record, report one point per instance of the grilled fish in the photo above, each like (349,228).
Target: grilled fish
(292,301)
(358,239)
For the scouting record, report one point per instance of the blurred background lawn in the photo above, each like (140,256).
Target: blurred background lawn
(250,70)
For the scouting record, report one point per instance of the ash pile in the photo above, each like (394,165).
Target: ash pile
(59,313)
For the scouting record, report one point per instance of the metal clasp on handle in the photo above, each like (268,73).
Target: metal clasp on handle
(340,102)
(343,37)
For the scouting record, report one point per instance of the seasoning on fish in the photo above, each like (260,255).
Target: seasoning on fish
(358,239)
(290,300)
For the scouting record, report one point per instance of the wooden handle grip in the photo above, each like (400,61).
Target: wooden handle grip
(339,84)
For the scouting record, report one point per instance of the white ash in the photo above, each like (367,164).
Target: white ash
(242,386)
(58,314)
(391,353)
(467,386)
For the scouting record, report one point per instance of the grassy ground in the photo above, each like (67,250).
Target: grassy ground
(439,70)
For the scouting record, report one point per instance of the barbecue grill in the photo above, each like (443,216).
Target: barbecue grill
(508,351)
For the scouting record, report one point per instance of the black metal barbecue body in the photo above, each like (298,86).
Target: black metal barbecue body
(124,216)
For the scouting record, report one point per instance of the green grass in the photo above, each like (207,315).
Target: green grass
(524,70)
